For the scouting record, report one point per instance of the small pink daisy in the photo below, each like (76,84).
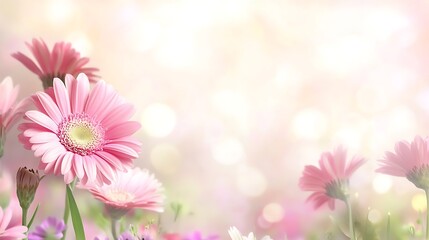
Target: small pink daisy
(62,60)
(133,189)
(80,132)
(330,181)
(9,231)
(410,160)
(9,112)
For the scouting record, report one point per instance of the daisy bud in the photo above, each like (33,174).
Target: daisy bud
(27,181)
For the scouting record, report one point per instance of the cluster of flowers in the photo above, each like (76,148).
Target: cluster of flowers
(84,134)
(330,181)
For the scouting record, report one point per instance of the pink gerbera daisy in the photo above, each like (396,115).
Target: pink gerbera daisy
(410,160)
(133,189)
(62,60)
(331,180)
(9,231)
(81,132)
(9,112)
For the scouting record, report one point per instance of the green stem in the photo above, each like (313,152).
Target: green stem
(114,223)
(67,209)
(24,216)
(427,214)
(388,226)
(351,228)
(2,141)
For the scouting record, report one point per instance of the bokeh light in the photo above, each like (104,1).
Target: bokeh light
(374,216)
(158,120)
(236,97)
(273,212)
(310,124)
(418,202)
(382,183)
(228,151)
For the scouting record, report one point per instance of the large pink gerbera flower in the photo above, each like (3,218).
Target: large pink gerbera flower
(133,189)
(9,231)
(62,60)
(9,112)
(330,181)
(81,132)
(410,160)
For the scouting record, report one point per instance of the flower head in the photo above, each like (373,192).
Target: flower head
(127,236)
(51,228)
(27,182)
(133,189)
(410,160)
(235,234)
(8,230)
(331,180)
(80,132)
(9,112)
(62,60)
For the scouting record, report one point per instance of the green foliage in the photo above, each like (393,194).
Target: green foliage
(75,215)
(177,209)
(32,217)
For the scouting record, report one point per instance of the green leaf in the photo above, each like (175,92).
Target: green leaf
(75,216)
(177,209)
(32,217)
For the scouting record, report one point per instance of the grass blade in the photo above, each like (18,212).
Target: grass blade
(75,216)
(32,217)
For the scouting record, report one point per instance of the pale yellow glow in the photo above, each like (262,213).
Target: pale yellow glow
(418,202)
(158,120)
(374,216)
(382,183)
(347,54)
(228,151)
(402,122)
(80,42)
(273,212)
(230,103)
(59,11)
(309,124)
(165,158)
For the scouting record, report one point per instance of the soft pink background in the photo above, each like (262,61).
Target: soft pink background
(250,92)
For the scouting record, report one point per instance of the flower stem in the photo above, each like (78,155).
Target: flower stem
(2,140)
(114,223)
(24,216)
(67,209)
(427,214)
(388,226)
(351,228)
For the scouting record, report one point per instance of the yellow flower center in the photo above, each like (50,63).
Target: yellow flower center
(120,196)
(80,134)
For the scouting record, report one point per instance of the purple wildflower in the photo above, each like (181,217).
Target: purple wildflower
(50,228)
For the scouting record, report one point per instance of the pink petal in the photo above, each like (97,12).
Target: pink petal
(50,107)
(42,120)
(28,63)
(62,97)
(121,150)
(66,163)
(123,129)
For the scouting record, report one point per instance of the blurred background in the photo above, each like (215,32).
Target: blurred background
(236,97)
